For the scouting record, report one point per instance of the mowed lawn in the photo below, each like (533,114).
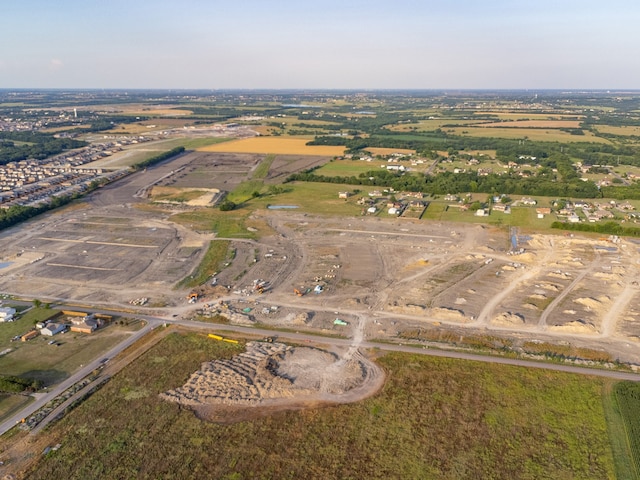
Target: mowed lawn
(274,145)
(435,418)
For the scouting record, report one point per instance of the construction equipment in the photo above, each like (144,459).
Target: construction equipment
(193,297)
(297,292)
(215,337)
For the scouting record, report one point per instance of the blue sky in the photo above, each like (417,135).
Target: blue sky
(356,44)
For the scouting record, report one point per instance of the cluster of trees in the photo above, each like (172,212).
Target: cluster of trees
(449,182)
(158,158)
(37,146)
(609,228)
(12,384)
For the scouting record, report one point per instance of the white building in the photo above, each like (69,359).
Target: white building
(6,314)
(53,329)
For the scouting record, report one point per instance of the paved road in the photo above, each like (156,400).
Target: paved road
(43,399)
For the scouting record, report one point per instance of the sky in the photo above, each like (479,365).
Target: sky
(321,44)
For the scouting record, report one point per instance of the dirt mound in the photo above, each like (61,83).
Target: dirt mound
(273,374)
(448,314)
(508,318)
(576,326)
(591,303)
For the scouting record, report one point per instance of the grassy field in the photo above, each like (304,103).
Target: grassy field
(535,124)
(262,170)
(348,168)
(38,360)
(318,198)
(627,400)
(534,134)
(12,403)
(524,217)
(529,116)
(216,254)
(434,419)
(623,130)
(22,325)
(274,145)
(430,125)
(231,224)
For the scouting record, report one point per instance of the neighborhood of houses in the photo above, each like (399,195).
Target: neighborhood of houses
(30,182)
(59,322)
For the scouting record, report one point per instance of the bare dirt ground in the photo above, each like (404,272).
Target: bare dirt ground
(276,376)
(377,277)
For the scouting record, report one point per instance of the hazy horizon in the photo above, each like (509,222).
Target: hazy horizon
(325,45)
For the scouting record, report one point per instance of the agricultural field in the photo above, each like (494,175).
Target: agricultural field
(434,418)
(625,130)
(533,134)
(274,145)
(534,124)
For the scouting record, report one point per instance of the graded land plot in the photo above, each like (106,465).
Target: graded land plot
(433,419)
(222,171)
(469,295)
(284,165)
(594,290)
(276,146)
(629,320)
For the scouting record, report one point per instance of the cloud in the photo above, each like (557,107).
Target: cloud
(55,64)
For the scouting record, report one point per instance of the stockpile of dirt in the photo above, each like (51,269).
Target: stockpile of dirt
(268,371)
(451,314)
(508,319)
(593,304)
(576,326)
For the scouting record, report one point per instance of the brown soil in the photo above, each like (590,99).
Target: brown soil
(275,377)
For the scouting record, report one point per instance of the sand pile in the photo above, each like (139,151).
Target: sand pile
(508,318)
(549,286)
(269,371)
(448,314)
(591,303)
(576,326)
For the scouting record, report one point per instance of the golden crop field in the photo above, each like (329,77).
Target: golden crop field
(274,145)
(624,130)
(535,124)
(535,134)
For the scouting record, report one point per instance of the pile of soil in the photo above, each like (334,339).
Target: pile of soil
(270,371)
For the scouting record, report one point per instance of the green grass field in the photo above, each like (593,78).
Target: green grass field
(434,419)
(626,402)
(348,168)
(22,325)
(231,224)
(36,359)
(311,197)
(216,254)
(12,403)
